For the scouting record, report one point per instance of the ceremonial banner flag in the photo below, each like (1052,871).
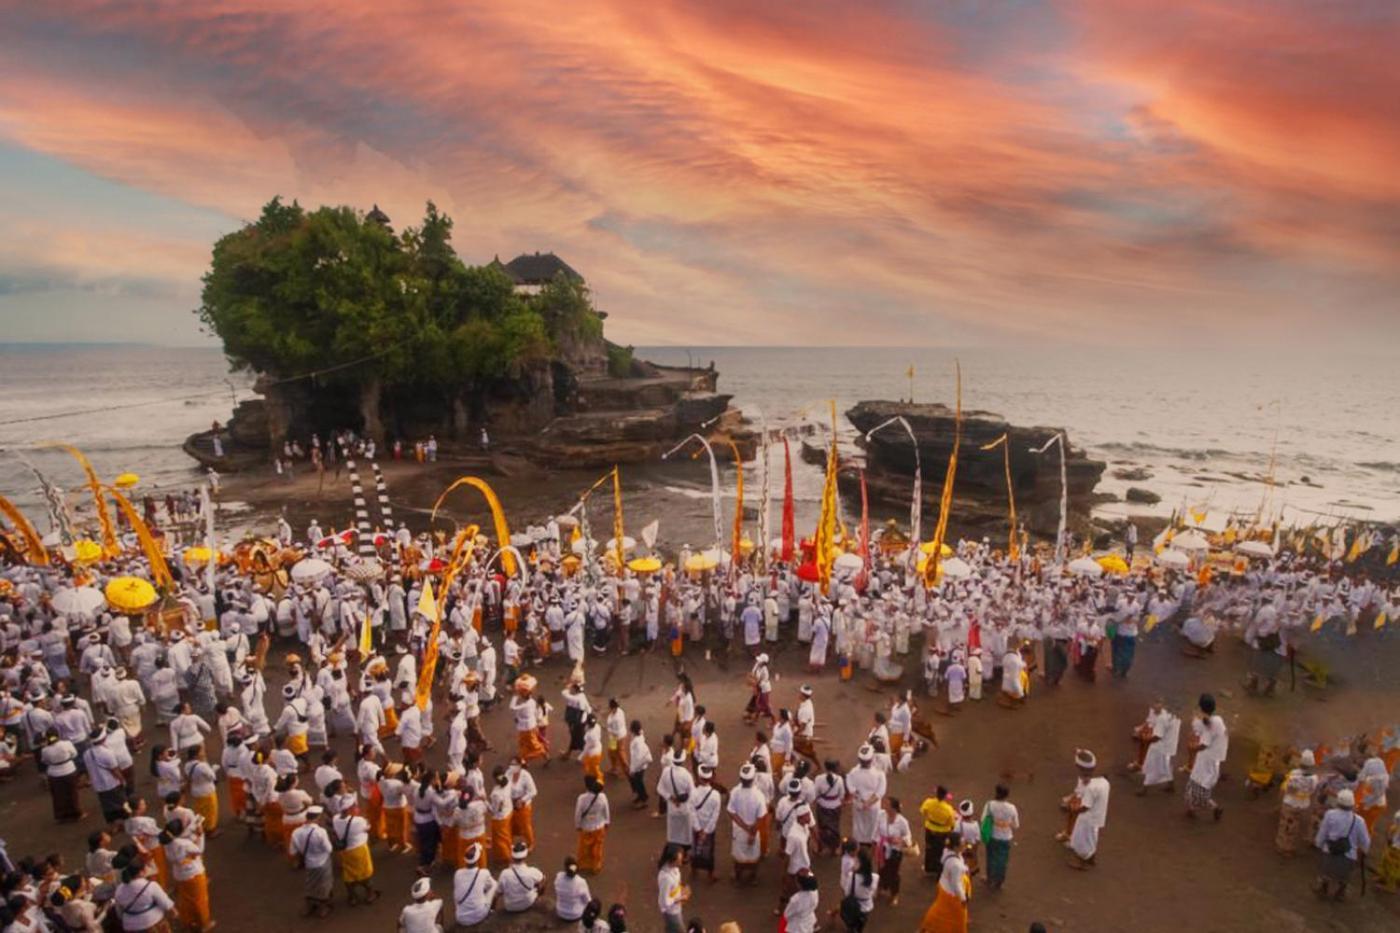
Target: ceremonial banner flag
(1013,550)
(945,504)
(864,536)
(160,573)
(104,518)
(498,516)
(366,638)
(738,538)
(826,523)
(428,606)
(35,551)
(617,520)
(789,531)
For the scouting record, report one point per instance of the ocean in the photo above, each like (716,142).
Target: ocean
(1206,426)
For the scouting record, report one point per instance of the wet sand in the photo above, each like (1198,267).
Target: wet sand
(1157,871)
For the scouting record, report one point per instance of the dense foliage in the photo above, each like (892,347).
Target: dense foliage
(300,290)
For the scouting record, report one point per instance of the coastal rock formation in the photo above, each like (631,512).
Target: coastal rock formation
(980,486)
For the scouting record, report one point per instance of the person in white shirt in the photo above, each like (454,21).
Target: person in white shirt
(473,889)
(893,836)
(309,845)
(422,913)
(866,786)
(571,893)
(616,729)
(639,758)
(671,894)
(1211,740)
(140,900)
(1090,802)
(1005,820)
(747,807)
(801,910)
(591,818)
(187,730)
(521,885)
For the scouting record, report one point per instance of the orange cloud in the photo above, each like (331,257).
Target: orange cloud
(727,172)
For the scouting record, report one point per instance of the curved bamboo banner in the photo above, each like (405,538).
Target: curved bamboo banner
(37,554)
(736,546)
(617,520)
(160,572)
(104,518)
(827,519)
(497,514)
(945,504)
(1013,552)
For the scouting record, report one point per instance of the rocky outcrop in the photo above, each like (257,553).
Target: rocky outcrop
(980,486)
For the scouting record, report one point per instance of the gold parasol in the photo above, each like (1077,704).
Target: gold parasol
(130,594)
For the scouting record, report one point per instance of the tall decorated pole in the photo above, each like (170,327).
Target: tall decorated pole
(1060,542)
(945,504)
(763,500)
(789,523)
(916,499)
(715,506)
(737,540)
(826,521)
(1013,547)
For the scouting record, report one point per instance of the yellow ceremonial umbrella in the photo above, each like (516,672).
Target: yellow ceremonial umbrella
(699,563)
(745,546)
(927,548)
(644,564)
(86,550)
(1112,563)
(200,555)
(130,594)
(126,480)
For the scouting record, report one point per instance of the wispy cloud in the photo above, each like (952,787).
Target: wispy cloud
(1114,170)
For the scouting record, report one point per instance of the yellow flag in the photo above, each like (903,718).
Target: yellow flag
(366,638)
(945,504)
(1380,621)
(1316,623)
(35,552)
(429,607)
(1150,624)
(1394,555)
(427,604)
(160,572)
(826,520)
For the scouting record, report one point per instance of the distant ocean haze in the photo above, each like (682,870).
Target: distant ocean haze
(1206,425)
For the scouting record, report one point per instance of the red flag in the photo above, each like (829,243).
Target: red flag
(789,534)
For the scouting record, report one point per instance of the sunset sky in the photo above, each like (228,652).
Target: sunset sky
(725,172)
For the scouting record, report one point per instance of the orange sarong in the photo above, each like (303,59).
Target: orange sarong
(192,901)
(530,746)
(500,841)
(947,914)
(449,850)
(273,830)
(374,812)
(590,849)
(237,795)
(522,823)
(593,767)
(396,826)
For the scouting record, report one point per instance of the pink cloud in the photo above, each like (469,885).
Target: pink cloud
(723,172)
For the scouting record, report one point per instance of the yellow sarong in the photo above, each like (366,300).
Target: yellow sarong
(296,744)
(948,914)
(208,809)
(356,864)
(192,901)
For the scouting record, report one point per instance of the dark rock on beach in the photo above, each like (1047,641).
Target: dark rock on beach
(980,496)
(1142,496)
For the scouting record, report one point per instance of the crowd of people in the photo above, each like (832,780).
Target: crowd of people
(93,697)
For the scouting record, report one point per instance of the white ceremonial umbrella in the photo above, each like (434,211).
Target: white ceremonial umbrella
(79,601)
(629,543)
(1174,559)
(849,562)
(1085,567)
(955,568)
(311,570)
(1255,548)
(1191,541)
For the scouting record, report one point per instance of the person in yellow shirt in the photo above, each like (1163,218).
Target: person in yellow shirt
(940,820)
